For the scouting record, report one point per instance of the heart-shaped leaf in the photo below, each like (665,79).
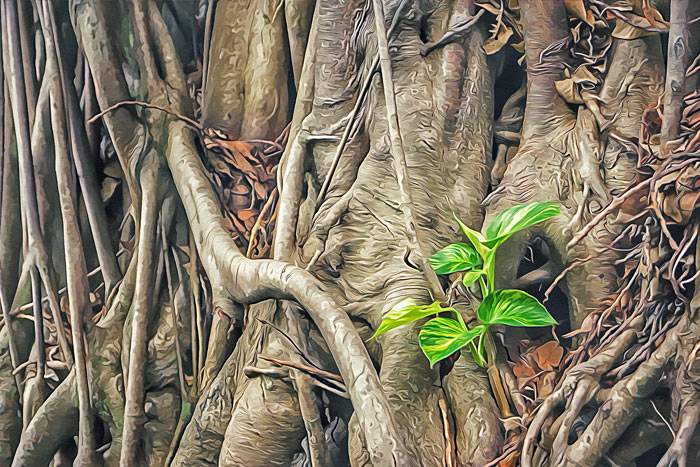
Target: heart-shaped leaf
(471,276)
(441,337)
(474,236)
(406,312)
(513,308)
(455,257)
(517,218)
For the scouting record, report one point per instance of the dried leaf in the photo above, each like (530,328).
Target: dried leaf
(520,46)
(633,28)
(653,15)
(245,214)
(240,189)
(568,90)
(109,185)
(546,384)
(113,169)
(548,356)
(494,44)
(583,75)
(523,372)
(577,9)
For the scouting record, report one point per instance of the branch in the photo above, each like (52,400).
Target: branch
(398,153)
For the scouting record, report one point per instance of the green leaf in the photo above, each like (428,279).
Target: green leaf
(406,312)
(471,276)
(474,236)
(517,218)
(441,337)
(513,308)
(455,257)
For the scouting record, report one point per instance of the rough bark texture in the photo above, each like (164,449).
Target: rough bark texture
(207,208)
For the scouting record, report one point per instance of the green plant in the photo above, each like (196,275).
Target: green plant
(441,337)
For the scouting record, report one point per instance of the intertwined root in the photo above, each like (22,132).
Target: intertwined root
(585,439)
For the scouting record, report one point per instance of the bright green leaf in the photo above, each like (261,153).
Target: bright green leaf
(455,257)
(471,276)
(514,308)
(441,337)
(406,312)
(517,218)
(474,236)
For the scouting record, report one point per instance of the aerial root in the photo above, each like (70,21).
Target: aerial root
(581,385)
(677,453)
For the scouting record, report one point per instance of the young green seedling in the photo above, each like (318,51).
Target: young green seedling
(441,337)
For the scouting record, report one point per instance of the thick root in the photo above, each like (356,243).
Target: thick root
(55,421)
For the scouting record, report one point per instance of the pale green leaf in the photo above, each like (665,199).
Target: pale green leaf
(455,257)
(513,308)
(474,236)
(471,276)
(441,337)
(517,218)
(406,312)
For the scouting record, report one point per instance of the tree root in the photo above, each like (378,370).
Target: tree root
(55,421)
(677,453)
(580,385)
(256,280)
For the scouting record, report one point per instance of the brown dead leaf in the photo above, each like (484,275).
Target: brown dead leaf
(632,28)
(496,43)
(653,15)
(577,9)
(548,356)
(511,460)
(568,90)
(523,372)
(109,185)
(113,169)
(546,384)
(245,214)
(584,76)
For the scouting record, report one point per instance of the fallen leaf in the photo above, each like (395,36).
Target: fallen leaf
(632,28)
(577,9)
(548,356)
(583,75)
(496,43)
(109,185)
(245,214)
(568,90)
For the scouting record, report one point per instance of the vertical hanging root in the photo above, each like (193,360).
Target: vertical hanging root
(308,405)
(142,305)
(76,268)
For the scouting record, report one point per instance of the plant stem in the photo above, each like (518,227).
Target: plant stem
(495,376)
(484,288)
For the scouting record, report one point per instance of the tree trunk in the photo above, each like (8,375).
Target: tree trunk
(210,207)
